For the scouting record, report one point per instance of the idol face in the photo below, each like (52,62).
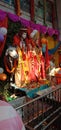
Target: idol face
(24,35)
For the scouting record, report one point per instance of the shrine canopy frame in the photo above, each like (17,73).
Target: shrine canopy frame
(39,11)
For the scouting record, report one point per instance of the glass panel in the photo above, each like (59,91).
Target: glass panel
(11,2)
(25,5)
(49,11)
(8,1)
(39,8)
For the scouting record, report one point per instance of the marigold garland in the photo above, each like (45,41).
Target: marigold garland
(7,67)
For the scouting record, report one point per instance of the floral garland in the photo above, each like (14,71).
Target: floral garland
(7,67)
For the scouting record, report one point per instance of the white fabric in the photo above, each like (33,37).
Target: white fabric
(6,115)
(9,118)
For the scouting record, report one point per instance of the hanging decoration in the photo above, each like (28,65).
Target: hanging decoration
(7,66)
(3,77)
(44,43)
(53,50)
(44,40)
(27,23)
(1,38)
(3,30)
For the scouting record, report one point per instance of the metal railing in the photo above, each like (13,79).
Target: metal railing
(42,111)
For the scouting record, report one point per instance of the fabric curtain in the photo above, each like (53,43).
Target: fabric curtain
(27,23)
(52,51)
(43,29)
(3,23)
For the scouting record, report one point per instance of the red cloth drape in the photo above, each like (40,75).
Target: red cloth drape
(47,58)
(16,40)
(3,23)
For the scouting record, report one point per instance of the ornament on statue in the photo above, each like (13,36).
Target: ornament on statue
(10,61)
(21,48)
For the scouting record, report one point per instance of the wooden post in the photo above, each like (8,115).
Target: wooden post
(32,9)
(44,11)
(17,7)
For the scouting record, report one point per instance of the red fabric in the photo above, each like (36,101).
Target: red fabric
(43,74)
(28,42)
(47,58)
(42,60)
(3,23)
(32,43)
(16,40)
(36,66)
(29,30)
(23,55)
(31,74)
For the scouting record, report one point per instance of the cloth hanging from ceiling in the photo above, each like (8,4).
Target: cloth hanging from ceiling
(43,29)
(52,51)
(29,23)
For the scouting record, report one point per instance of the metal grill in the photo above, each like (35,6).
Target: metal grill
(42,111)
